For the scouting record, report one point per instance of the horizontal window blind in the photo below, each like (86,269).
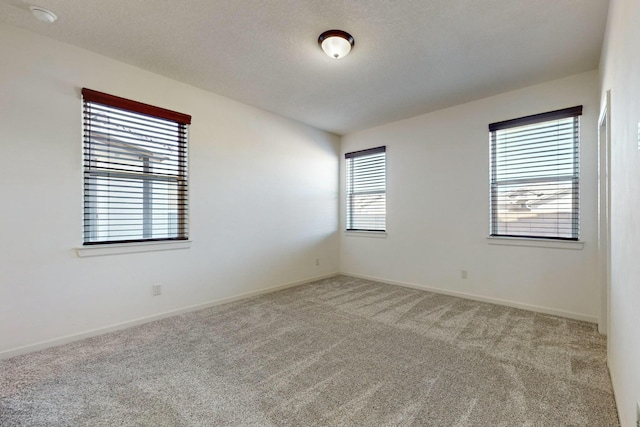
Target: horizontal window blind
(535,173)
(135,171)
(366,190)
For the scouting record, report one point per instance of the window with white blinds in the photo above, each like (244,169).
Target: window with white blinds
(535,176)
(366,190)
(135,171)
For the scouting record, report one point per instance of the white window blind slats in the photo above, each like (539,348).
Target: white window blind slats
(131,149)
(535,176)
(131,130)
(135,172)
(366,190)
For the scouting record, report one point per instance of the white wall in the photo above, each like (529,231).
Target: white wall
(620,71)
(438,206)
(263,191)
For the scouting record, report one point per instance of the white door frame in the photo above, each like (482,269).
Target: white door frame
(604,214)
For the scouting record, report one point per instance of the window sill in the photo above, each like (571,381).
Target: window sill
(129,248)
(376,234)
(536,243)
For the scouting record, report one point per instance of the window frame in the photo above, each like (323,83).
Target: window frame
(95,99)
(566,113)
(350,194)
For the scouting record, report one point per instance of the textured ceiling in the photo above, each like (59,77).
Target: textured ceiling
(410,56)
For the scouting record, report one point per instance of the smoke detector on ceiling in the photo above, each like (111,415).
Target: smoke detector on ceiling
(43,14)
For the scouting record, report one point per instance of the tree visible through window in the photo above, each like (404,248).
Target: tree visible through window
(366,190)
(535,175)
(135,171)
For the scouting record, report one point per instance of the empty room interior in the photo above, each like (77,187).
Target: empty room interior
(251,212)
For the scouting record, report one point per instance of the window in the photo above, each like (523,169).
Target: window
(535,175)
(366,190)
(135,171)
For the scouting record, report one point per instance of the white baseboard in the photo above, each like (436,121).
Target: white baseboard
(141,320)
(529,307)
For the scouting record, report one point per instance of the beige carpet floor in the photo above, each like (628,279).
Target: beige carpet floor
(341,351)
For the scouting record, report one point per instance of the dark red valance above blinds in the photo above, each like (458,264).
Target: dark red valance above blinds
(135,106)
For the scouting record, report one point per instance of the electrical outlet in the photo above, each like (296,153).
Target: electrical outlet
(317,261)
(464,274)
(156,290)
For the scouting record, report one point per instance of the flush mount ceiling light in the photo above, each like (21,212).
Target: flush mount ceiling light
(43,14)
(336,43)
